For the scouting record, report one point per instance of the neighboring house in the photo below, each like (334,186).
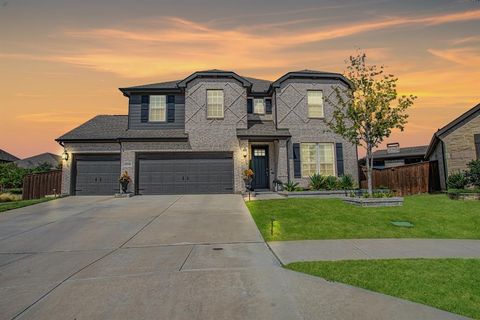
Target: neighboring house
(6,157)
(34,161)
(199,134)
(395,156)
(456,144)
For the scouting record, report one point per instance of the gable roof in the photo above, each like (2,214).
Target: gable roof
(451,126)
(114,128)
(256,85)
(35,161)
(312,74)
(7,157)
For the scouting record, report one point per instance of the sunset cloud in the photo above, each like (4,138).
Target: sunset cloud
(62,73)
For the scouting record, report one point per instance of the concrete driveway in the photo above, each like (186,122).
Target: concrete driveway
(163,257)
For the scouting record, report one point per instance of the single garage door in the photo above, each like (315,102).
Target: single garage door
(187,173)
(96,174)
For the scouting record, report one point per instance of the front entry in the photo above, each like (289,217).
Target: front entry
(260,167)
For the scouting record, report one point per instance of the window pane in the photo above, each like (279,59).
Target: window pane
(258,106)
(315,103)
(308,158)
(215,103)
(157,108)
(326,159)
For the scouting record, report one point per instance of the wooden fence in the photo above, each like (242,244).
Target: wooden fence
(405,180)
(38,185)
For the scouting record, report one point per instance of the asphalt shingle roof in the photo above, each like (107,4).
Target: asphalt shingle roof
(262,129)
(5,156)
(35,161)
(404,152)
(115,127)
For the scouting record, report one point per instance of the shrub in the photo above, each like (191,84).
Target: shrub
(14,191)
(317,181)
(457,181)
(346,182)
(8,197)
(11,176)
(473,173)
(379,194)
(290,186)
(331,183)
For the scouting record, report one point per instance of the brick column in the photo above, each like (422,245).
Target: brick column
(282,161)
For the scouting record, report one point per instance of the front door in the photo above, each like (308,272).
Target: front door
(260,167)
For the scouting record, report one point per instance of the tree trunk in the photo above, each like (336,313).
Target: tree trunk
(369,169)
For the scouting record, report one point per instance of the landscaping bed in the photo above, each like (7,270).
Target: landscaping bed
(374,202)
(449,284)
(433,216)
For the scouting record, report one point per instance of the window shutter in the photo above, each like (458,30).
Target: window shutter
(268,106)
(339,156)
(171,108)
(297,172)
(477,145)
(249,105)
(144,109)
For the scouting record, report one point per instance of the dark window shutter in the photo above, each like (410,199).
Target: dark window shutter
(171,108)
(477,145)
(144,109)
(339,156)
(297,171)
(268,106)
(249,106)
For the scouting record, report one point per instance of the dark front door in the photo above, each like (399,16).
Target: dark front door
(260,167)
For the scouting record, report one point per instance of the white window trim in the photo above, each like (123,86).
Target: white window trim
(317,158)
(164,107)
(223,105)
(255,104)
(323,106)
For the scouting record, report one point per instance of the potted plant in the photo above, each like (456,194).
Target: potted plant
(247,178)
(278,185)
(124,181)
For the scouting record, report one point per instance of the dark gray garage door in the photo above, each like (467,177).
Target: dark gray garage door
(189,173)
(97,174)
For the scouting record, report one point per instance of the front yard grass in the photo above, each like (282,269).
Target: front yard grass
(4,206)
(433,216)
(448,284)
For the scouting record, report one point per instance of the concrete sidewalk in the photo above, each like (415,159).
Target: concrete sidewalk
(317,250)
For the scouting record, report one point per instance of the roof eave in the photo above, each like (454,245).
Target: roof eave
(304,75)
(217,74)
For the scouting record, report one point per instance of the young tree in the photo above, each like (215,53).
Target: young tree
(366,113)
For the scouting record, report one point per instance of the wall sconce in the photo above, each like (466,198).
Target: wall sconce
(244,151)
(65,155)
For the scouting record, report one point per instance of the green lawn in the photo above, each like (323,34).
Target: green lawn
(4,206)
(433,216)
(448,284)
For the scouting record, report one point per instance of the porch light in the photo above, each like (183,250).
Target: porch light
(65,155)
(244,151)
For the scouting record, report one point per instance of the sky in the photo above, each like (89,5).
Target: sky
(62,62)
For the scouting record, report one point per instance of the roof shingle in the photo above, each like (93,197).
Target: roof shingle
(115,127)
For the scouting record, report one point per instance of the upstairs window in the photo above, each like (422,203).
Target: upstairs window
(259,106)
(317,158)
(157,109)
(214,104)
(315,103)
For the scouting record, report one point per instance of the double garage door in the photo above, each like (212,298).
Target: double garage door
(157,173)
(185,173)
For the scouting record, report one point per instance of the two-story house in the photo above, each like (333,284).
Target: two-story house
(199,134)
